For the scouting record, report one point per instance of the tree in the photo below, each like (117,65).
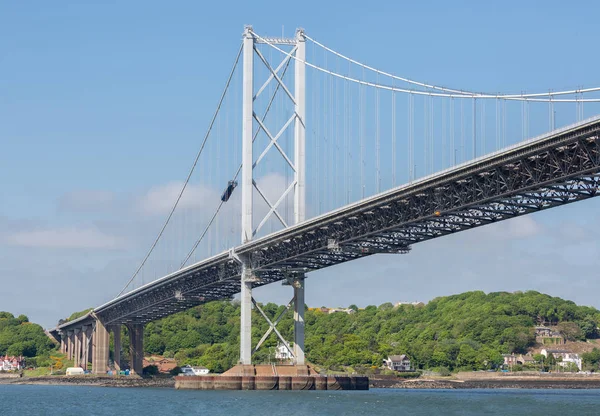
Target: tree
(570,331)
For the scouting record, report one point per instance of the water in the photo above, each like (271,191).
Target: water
(83,401)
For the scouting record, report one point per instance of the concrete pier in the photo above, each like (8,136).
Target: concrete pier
(136,347)
(100,348)
(268,377)
(224,382)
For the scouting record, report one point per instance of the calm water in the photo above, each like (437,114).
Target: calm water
(83,401)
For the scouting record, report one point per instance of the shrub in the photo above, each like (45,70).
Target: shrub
(150,370)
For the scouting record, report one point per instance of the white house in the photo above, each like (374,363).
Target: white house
(282,353)
(398,363)
(188,370)
(11,363)
(200,371)
(567,356)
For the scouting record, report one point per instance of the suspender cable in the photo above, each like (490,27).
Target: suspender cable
(189,174)
(393,139)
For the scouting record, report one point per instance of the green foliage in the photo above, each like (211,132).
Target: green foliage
(79,314)
(175,371)
(20,337)
(591,360)
(150,370)
(470,330)
(571,331)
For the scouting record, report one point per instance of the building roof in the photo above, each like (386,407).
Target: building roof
(398,357)
(559,351)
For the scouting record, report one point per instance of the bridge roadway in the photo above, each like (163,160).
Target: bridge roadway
(551,170)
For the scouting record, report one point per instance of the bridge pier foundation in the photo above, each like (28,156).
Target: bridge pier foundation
(136,348)
(100,347)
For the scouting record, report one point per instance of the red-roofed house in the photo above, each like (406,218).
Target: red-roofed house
(11,363)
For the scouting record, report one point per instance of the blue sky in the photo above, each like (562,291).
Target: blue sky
(102,103)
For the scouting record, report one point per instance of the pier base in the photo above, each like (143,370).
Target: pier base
(271,377)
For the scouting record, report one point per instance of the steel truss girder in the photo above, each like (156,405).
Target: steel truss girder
(558,170)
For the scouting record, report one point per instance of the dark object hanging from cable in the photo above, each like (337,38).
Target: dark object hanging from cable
(228,191)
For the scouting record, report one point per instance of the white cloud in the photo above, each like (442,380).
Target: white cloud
(159,200)
(65,238)
(515,228)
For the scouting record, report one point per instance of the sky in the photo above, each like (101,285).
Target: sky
(104,104)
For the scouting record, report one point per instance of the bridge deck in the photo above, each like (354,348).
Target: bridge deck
(551,170)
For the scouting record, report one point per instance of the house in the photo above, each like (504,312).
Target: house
(566,356)
(408,303)
(282,353)
(11,363)
(344,310)
(188,370)
(200,371)
(547,335)
(398,363)
(164,365)
(525,359)
(543,331)
(510,359)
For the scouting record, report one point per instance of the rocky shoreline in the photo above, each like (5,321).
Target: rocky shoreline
(507,383)
(420,383)
(99,381)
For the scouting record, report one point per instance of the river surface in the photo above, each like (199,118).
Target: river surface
(81,400)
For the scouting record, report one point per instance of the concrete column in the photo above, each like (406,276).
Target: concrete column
(77,349)
(299,319)
(247,131)
(117,344)
(85,343)
(300,190)
(247,190)
(246,316)
(70,345)
(136,347)
(100,347)
(300,129)
(63,343)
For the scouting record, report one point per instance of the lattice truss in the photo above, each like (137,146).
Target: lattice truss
(561,169)
(274,119)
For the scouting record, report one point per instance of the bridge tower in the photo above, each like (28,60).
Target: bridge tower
(249,120)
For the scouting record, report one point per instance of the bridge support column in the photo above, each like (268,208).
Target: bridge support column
(136,348)
(246,316)
(247,190)
(85,347)
(70,345)
(117,345)
(100,347)
(63,342)
(77,349)
(298,284)
(300,129)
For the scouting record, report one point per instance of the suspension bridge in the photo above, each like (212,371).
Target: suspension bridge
(336,160)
